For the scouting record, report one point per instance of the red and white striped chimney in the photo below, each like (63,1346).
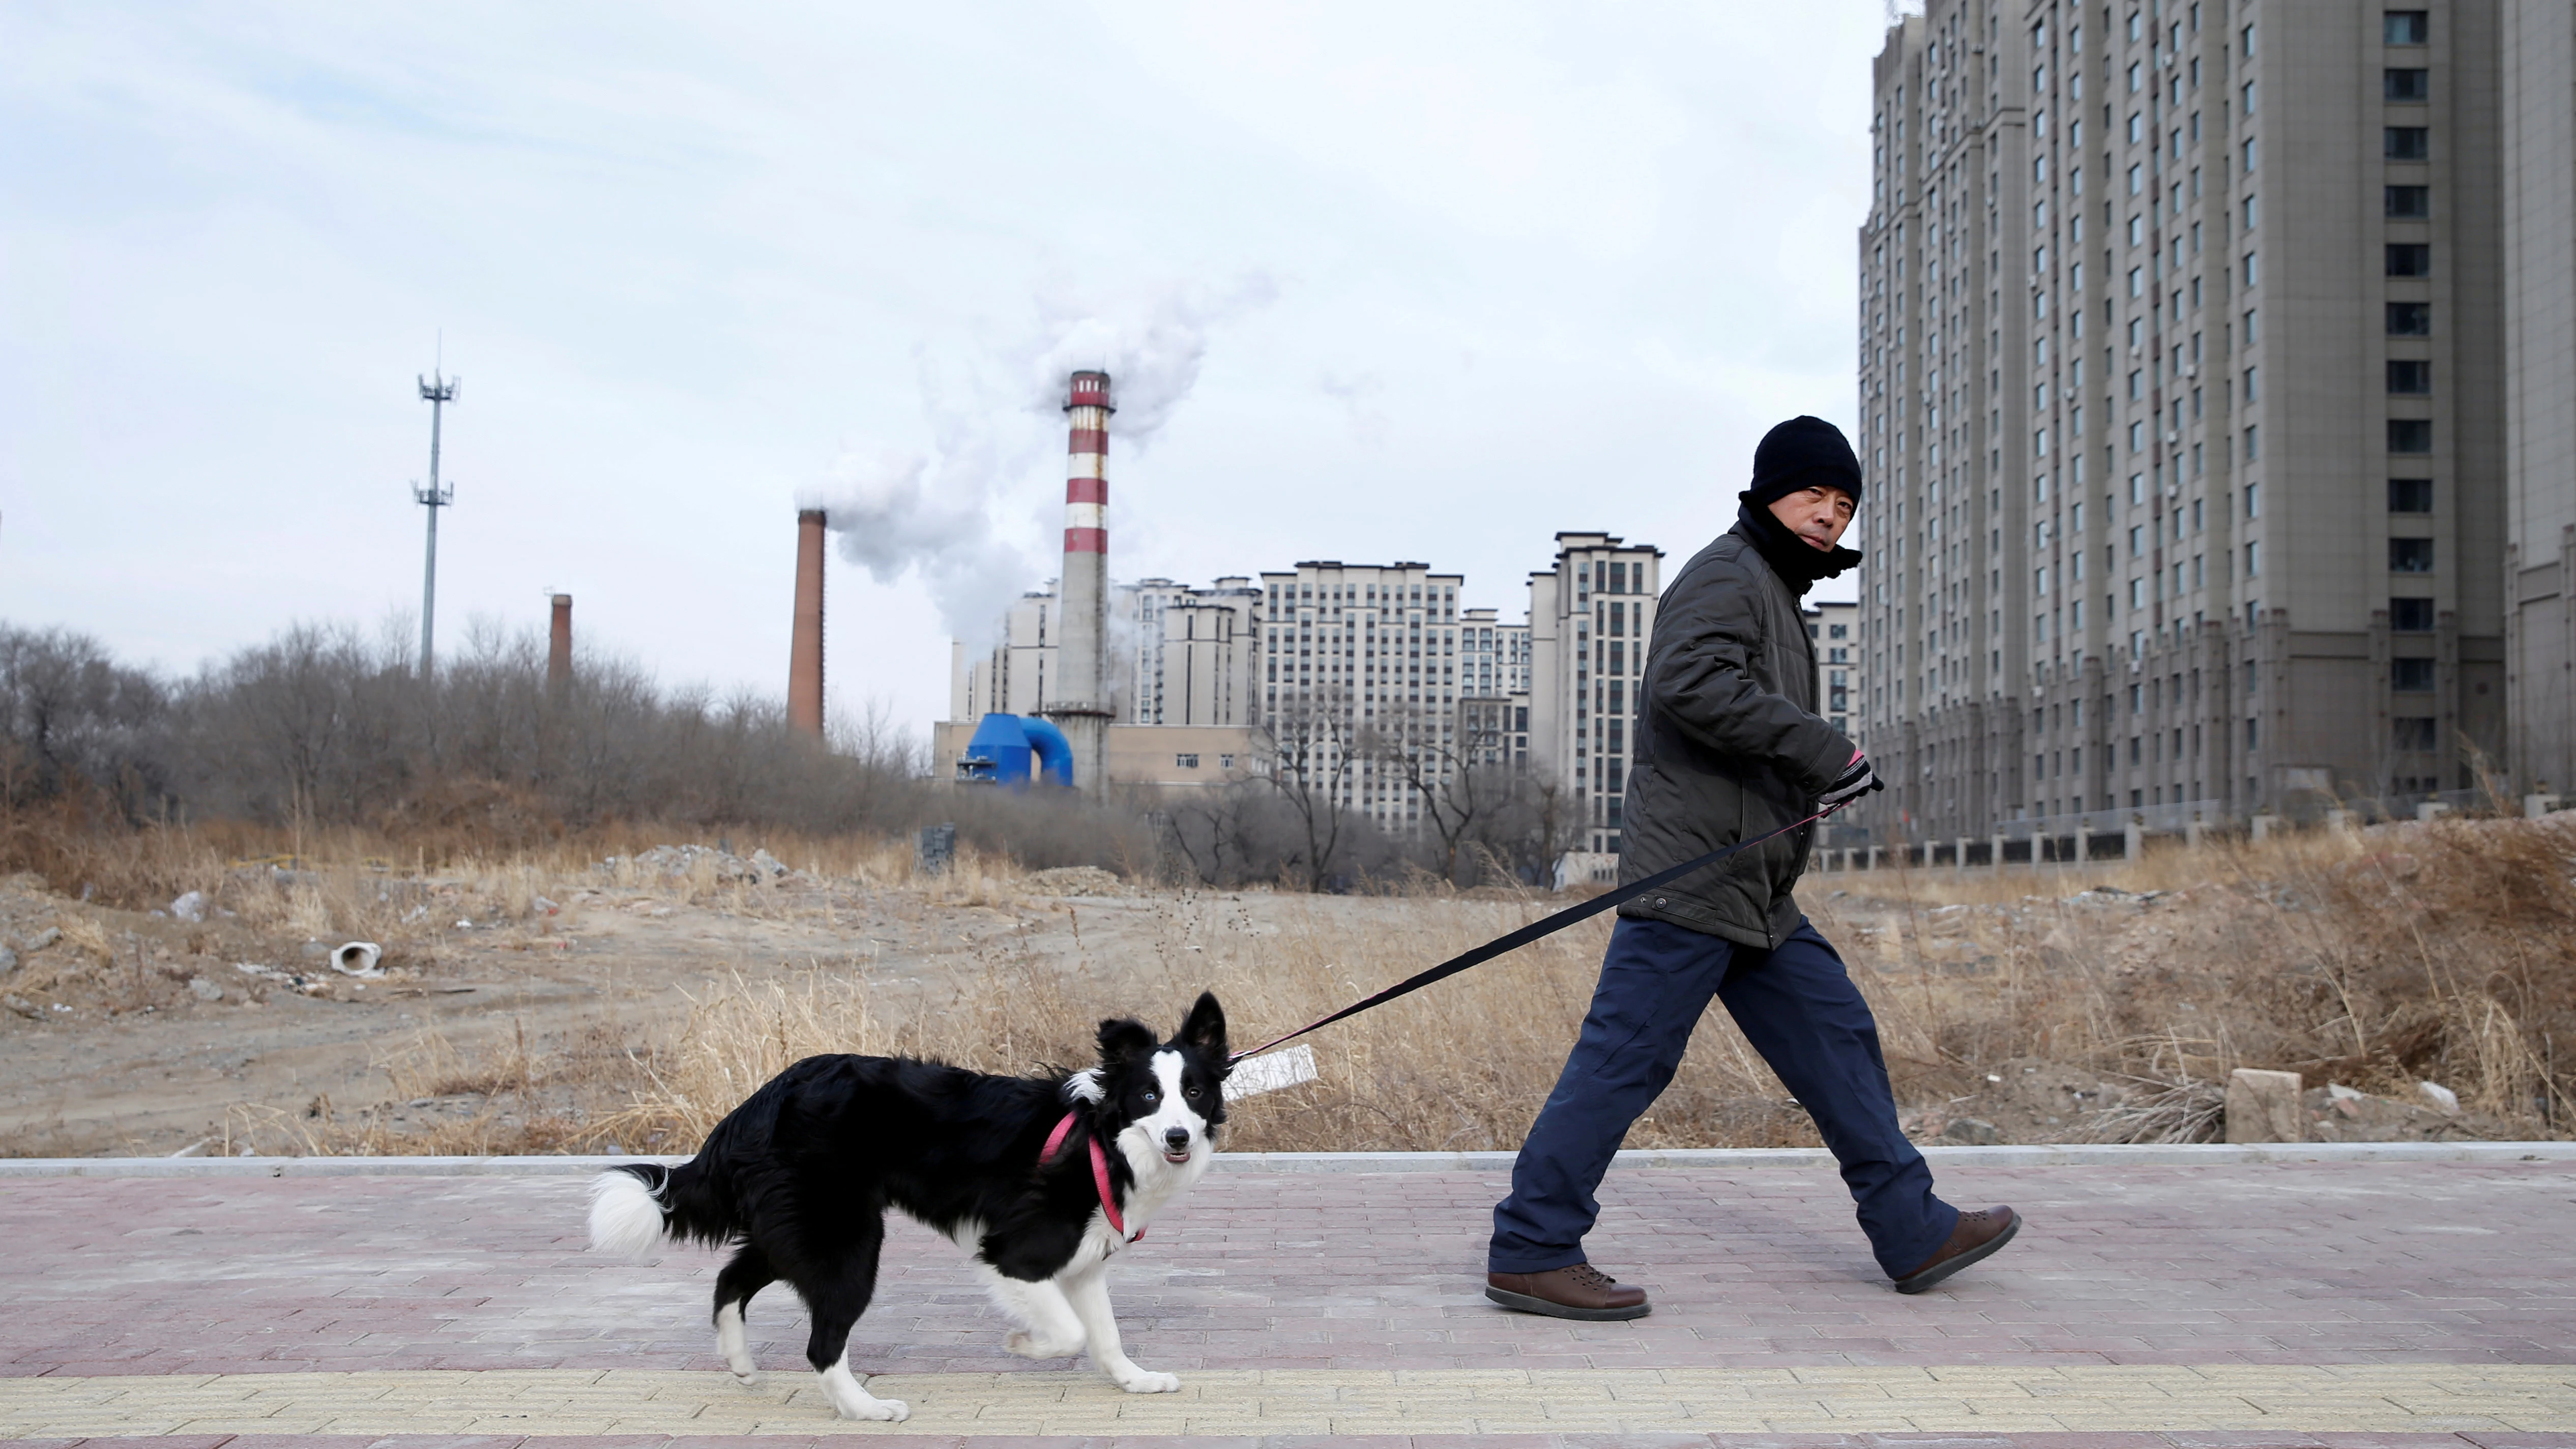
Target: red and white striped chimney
(1081,705)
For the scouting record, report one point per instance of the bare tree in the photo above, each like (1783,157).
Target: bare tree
(72,717)
(1312,752)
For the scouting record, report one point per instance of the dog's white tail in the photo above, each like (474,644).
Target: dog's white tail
(624,1215)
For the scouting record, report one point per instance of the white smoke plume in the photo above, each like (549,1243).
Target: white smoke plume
(1151,347)
(897,512)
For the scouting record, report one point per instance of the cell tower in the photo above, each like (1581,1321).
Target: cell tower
(438,391)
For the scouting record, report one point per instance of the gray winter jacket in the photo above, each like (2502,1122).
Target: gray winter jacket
(1728,748)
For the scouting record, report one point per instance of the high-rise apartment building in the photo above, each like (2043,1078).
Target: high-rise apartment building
(1591,616)
(2539,62)
(1493,689)
(1833,626)
(2182,342)
(1184,656)
(1360,668)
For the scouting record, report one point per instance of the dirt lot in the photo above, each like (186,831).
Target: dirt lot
(142,1033)
(523,1006)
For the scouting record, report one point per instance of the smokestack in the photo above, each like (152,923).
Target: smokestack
(805,648)
(559,645)
(1081,706)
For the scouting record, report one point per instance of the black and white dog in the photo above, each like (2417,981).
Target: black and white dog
(1041,1179)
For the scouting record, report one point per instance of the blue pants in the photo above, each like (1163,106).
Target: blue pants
(1797,1006)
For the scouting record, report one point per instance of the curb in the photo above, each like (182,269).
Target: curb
(2195,1154)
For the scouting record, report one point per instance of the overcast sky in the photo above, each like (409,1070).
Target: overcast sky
(1413,282)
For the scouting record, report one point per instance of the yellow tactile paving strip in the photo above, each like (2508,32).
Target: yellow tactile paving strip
(2367,1398)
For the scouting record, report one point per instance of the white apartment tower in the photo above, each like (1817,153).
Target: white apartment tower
(1590,619)
(1358,660)
(1834,628)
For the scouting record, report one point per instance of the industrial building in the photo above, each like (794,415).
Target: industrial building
(2199,484)
(1376,676)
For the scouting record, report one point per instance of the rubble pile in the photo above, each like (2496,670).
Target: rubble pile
(758,868)
(1076,880)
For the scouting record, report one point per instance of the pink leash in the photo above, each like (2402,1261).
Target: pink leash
(1099,1175)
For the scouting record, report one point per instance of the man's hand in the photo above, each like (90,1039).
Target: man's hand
(1856,781)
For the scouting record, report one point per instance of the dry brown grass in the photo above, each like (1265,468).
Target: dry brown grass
(2445,951)
(2377,959)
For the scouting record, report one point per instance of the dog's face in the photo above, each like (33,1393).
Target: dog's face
(1165,1098)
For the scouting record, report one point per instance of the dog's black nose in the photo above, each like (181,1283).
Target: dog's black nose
(1177,1139)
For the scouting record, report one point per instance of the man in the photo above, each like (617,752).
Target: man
(1729,748)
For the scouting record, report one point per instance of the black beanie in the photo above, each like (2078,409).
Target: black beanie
(1803,452)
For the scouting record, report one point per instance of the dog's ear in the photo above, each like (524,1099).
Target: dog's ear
(1124,1038)
(1205,1028)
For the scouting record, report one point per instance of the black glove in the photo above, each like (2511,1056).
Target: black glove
(1856,781)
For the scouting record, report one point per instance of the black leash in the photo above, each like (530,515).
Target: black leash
(1539,929)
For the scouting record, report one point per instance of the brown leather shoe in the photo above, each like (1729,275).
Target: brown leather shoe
(1977,1236)
(1581,1291)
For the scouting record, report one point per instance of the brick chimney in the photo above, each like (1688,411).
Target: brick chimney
(805,648)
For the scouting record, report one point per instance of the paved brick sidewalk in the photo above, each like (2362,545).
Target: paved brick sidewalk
(1352,1275)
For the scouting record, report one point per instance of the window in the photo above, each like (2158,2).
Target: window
(2410,319)
(2410,435)
(2253,500)
(2410,676)
(2138,542)
(2137,230)
(2410,259)
(2410,495)
(2136,128)
(2249,98)
(2253,385)
(2407,143)
(2249,155)
(2251,334)
(2254,441)
(2137,179)
(2410,555)
(2405,85)
(2136,77)
(2135,383)
(2254,559)
(2410,377)
(2408,203)
(2137,283)
(2252,272)
(2405,27)
(2411,735)
(2410,616)
(1185,762)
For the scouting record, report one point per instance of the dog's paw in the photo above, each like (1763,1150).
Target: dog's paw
(1029,1345)
(1143,1381)
(884,1410)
